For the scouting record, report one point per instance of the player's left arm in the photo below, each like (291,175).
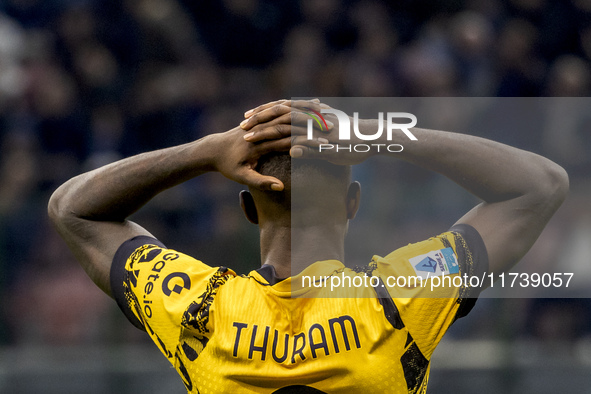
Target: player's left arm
(520,190)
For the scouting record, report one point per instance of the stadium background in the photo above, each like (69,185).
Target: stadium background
(83,83)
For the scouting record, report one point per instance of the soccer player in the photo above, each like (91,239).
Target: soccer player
(285,328)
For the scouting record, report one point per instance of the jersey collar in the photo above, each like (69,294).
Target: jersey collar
(266,275)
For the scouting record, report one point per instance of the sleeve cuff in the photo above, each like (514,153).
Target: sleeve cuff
(474,260)
(119,276)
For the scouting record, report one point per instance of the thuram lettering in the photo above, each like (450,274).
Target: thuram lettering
(264,343)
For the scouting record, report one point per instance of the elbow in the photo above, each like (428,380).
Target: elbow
(57,207)
(555,185)
(53,206)
(560,183)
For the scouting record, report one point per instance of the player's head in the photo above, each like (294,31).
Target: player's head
(316,192)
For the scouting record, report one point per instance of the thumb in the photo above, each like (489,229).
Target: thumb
(262,182)
(303,152)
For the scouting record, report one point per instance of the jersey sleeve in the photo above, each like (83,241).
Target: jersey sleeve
(434,282)
(162,291)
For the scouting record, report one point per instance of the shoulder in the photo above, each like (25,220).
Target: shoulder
(145,276)
(460,250)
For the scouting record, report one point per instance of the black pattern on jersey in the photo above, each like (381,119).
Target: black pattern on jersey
(182,370)
(390,309)
(132,301)
(130,280)
(197,314)
(367,269)
(136,256)
(415,366)
(192,346)
(468,267)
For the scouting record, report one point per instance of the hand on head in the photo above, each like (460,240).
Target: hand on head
(282,118)
(272,127)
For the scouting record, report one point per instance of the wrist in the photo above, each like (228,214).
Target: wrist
(208,151)
(222,152)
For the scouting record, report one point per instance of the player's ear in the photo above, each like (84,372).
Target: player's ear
(353,199)
(248,207)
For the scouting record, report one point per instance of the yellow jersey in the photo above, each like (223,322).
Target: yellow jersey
(374,331)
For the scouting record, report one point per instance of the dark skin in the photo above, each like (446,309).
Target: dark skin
(520,191)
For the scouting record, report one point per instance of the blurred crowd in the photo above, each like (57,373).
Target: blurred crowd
(86,82)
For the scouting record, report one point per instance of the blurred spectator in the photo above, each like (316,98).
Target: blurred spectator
(472,35)
(569,76)
(520,69)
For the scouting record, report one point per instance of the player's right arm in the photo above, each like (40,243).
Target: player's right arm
(90,211)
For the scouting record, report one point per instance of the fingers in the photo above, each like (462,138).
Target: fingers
(288,103)
(283,114)
(280,126)
(290,135)
(278,110)
(309,104)
(285,144)
(263,107)
(294,122)
(266,115)
(274,131)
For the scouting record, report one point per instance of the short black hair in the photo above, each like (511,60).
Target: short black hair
(308,175)
(281,166)
(276,164)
